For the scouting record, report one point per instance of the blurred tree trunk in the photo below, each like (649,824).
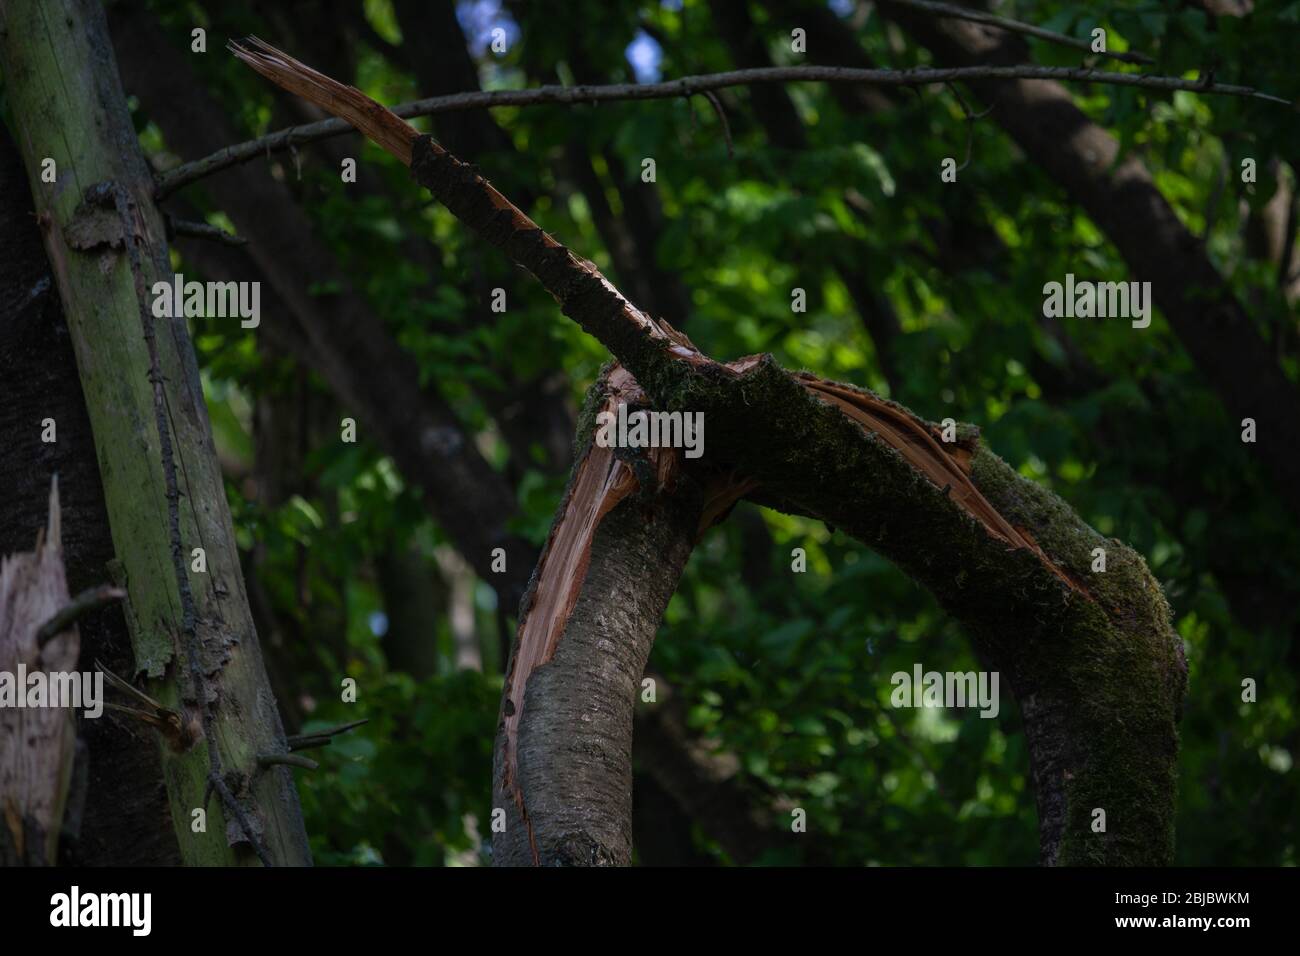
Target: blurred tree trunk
(415,599)
(192,633)
(1121,197)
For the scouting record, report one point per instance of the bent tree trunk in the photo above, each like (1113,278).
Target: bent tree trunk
(191,632)
(1091,654)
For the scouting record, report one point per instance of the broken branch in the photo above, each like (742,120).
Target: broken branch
(91,599)
(1001,553)
(319,738)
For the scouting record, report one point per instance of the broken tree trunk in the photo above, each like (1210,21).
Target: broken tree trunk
(618,545)
(1090,653)
(191,630)
(37,744)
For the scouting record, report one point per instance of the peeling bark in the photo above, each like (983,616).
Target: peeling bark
(125,819)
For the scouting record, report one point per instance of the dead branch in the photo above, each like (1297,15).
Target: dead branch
(91,599)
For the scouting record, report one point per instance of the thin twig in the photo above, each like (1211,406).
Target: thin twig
(202,230)
(971,118)
(91,599)
(288,760)
(722,118)
(1015,26)
(319,738)
(686,86)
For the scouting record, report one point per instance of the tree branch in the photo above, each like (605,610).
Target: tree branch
(687,86)
(202,230)
(91,599)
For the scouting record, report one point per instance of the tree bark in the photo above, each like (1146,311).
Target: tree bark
(38,745)
(192,633)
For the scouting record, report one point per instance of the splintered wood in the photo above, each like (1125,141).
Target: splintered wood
(915,441)
(377,122)
(601,480)
(37,744)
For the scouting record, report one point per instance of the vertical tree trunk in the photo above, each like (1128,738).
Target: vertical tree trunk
(192,632)
(124,819)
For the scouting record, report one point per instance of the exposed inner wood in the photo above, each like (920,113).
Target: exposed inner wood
(914,440)
(600,482)
(911,438)
(379,124)
(36,743)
